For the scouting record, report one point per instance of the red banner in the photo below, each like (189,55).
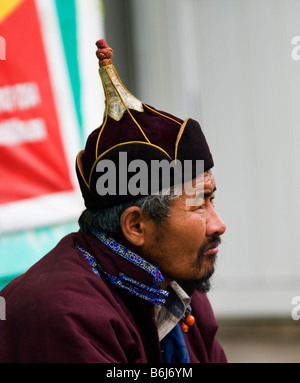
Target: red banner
(32,158)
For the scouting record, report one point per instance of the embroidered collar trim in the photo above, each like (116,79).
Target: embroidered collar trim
(131,257)
(152,294)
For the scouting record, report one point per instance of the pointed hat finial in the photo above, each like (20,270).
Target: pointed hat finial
(104,53)
(118,98)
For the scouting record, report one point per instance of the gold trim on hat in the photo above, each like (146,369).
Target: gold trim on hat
(179,135)
(118,100)
(120,144)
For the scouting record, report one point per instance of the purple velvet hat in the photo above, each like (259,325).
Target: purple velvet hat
(136,132)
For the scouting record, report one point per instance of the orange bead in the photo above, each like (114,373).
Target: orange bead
(190,320)
(184,327)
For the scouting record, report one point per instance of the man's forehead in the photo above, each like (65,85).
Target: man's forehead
(204,182)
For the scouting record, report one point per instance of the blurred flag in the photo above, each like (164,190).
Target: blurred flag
(33,160)
(51,98)
(40,111)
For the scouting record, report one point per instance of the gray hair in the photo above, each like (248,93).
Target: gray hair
(108,220)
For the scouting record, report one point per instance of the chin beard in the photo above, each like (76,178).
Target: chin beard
(202,285)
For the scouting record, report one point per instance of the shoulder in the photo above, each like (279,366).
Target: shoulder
(62,311)
(60,281)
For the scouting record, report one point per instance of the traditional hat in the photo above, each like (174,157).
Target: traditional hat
(135,133)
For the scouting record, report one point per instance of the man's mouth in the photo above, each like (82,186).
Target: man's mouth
(211,252)
(212,248)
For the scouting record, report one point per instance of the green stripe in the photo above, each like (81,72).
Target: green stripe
(5,280)
(66,11)
(21,249)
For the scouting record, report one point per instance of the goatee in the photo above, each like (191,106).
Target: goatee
(202,284)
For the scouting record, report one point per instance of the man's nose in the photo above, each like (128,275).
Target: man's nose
(215,225)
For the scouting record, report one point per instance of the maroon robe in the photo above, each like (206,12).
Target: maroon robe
(60,311)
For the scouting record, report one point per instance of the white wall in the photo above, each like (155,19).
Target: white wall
(229,65)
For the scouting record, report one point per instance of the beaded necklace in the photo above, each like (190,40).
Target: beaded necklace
(187,320)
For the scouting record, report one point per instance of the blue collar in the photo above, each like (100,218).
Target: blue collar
(152,294)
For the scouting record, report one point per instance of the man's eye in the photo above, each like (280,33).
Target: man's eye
(212,201)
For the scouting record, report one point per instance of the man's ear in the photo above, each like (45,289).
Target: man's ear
(133,225)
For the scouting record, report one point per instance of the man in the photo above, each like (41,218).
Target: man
(130,286)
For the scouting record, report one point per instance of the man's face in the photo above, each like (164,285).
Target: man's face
(186,245)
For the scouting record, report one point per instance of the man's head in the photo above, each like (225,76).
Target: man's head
(180,238)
